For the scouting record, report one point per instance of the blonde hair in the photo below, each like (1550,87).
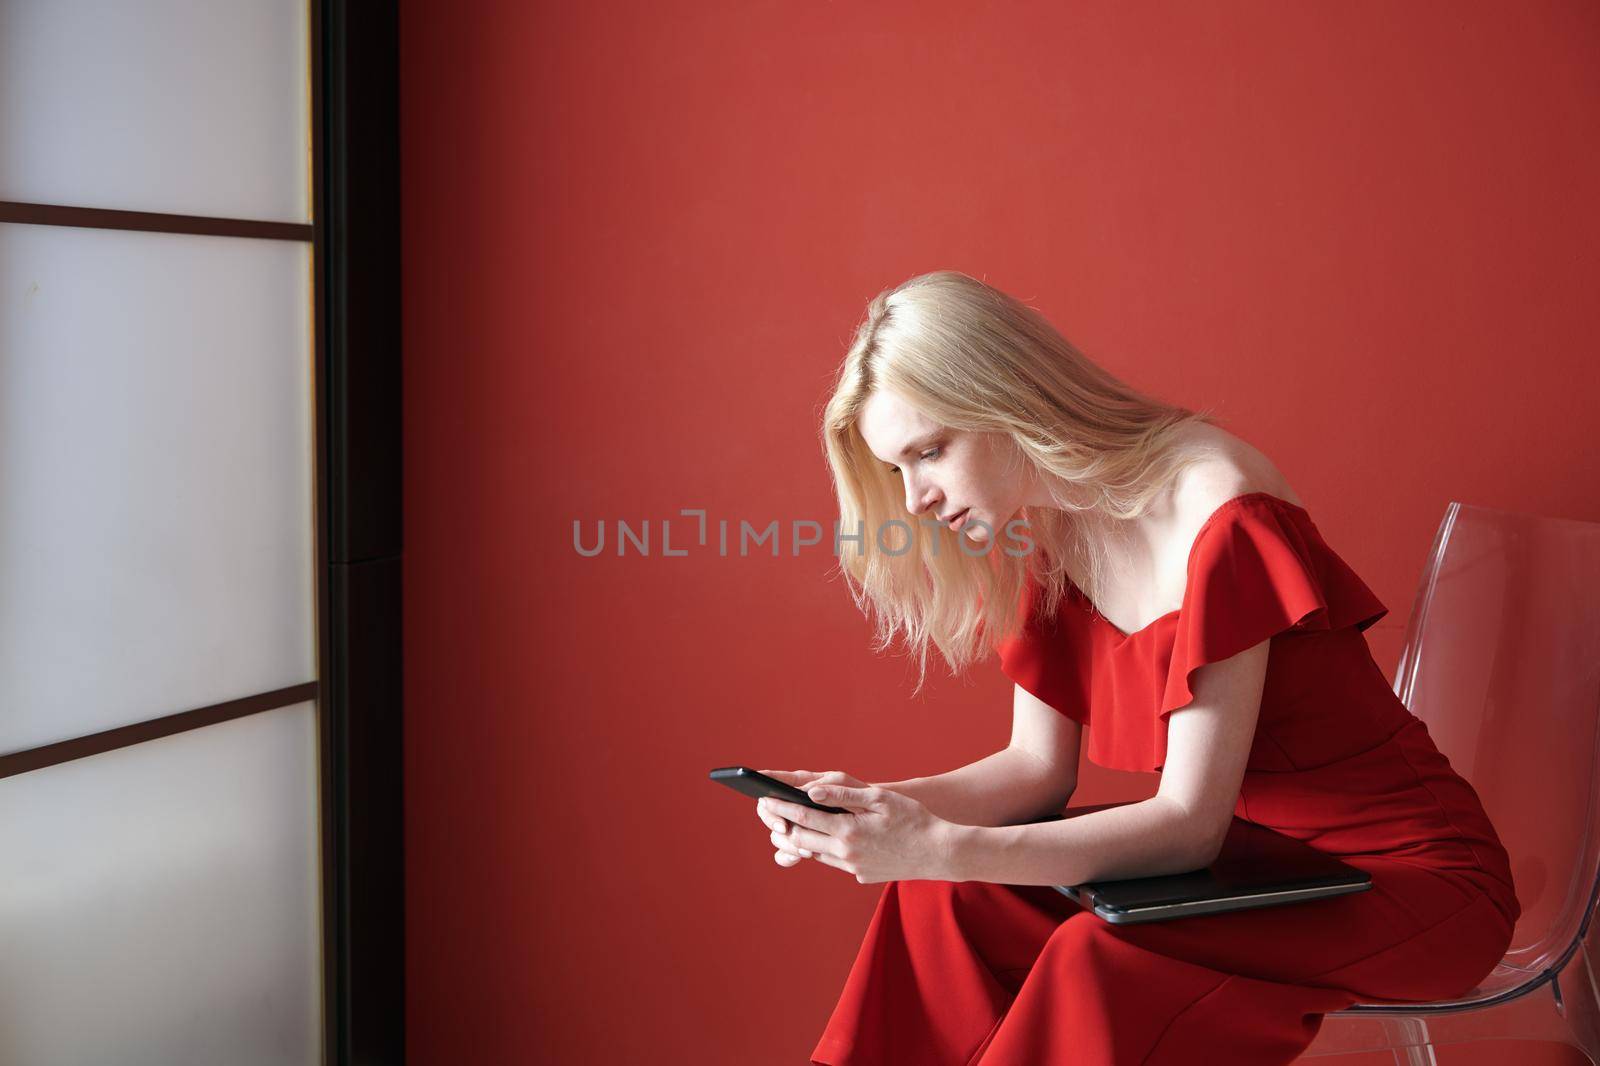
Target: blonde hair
(974,358)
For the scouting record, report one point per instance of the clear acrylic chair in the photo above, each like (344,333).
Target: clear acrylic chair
(1502,662)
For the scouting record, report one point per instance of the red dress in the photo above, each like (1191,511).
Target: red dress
(1007,975)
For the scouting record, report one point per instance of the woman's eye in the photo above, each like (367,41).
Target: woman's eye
(931,453)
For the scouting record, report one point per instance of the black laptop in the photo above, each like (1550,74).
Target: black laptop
(1257,867)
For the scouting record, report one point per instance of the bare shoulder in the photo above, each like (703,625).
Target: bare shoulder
(1228,467)
(1231,467)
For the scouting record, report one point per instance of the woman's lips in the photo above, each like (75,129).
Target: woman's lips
(958,520)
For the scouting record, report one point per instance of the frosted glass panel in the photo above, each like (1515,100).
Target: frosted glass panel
(159,904)
(156,476)
(195,107)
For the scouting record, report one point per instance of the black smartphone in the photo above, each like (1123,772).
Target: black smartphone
(756,784)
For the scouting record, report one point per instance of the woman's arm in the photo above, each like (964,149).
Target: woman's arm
(1179,829)
(1002,789)
(1146,839)
(1034,775)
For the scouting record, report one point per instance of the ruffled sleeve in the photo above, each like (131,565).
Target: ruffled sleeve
(1048,658)
(1259,568)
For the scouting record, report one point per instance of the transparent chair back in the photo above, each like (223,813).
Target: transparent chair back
(1502,662)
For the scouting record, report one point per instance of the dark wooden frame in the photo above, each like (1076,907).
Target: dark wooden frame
(356,212)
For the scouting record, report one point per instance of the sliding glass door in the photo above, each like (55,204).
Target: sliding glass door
(162,747)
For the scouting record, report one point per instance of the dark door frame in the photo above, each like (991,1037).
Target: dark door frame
(356,213)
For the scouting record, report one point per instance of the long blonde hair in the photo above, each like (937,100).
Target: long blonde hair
(974,358)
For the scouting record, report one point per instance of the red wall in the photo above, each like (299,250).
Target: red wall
(637,237)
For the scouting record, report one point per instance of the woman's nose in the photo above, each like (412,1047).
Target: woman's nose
(919,498)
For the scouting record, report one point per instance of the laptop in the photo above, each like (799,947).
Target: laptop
(1257,867)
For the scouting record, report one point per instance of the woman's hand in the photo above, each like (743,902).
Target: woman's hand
(788,854)
(883,836)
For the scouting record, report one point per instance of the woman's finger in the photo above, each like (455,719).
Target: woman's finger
(799,838)
(829,860)
(837,777)
(771,821)
(791,777)
(832,795)
(785,842)
(787,845)
(769,817)
(806,819)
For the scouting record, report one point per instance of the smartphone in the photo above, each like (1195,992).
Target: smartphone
(756,784)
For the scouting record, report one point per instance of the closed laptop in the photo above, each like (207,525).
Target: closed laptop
(1257,867)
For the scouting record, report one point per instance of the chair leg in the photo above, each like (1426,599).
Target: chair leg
(1408,1037)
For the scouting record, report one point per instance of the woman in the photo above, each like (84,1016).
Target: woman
(1170,590)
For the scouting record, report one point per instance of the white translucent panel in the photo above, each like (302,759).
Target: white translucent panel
(195,107)
(156,476)
(159,904)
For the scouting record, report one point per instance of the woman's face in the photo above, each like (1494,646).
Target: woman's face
(951,475)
